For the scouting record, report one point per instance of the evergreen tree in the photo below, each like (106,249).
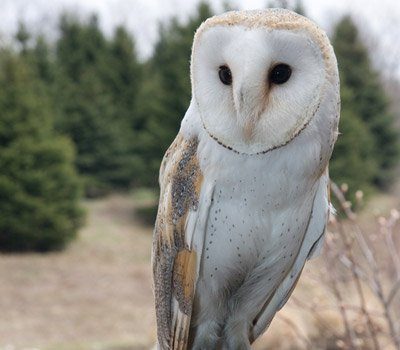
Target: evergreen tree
(91,115)
(22,36)
(38,57)
(368,100)
(299,8)
(166,95)
(352,161)
(42,62)
(125,76)
(39,189)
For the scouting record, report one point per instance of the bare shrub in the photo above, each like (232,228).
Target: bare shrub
(361,278)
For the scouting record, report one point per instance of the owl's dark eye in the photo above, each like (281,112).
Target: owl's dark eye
(280,74)
(225,75)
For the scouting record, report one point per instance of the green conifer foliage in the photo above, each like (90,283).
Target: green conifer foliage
(39,189)
(124,76)
(368,102)
(353,162)
(94,97)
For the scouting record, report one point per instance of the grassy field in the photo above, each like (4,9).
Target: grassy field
(96,295)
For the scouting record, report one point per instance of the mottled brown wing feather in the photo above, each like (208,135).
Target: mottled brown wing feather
(174,262)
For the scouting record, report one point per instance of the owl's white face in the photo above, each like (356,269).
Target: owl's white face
(256,88)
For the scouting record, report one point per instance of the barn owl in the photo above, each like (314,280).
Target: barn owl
(244,199)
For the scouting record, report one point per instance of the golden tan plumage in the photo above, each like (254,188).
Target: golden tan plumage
(174,263)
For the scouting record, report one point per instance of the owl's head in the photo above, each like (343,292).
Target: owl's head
(259,77)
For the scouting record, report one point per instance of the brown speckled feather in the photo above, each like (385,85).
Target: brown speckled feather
(174,261)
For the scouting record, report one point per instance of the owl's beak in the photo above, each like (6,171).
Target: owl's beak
(250,102)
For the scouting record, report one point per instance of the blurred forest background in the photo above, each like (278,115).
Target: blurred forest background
(84,124)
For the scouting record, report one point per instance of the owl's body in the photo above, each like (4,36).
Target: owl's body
(244,199)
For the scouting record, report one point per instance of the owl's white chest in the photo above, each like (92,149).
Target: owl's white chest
(253,232)
(257,219)
(252,224)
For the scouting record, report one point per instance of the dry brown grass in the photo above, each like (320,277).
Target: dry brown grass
(97,294)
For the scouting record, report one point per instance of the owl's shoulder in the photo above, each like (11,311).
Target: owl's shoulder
(180,180)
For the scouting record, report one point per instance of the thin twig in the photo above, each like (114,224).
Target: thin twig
(339,300)
(376,287)
(393,293)
(351,216)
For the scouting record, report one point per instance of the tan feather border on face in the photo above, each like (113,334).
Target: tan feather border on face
(273,19)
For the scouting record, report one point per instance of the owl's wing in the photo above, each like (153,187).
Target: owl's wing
(183,210)
(312,243)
